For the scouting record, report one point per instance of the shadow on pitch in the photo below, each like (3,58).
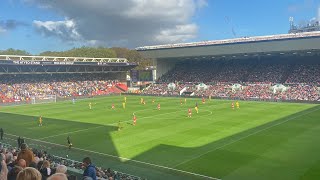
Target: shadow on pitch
(219,158)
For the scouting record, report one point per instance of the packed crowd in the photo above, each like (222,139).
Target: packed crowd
(257,79)
(262,91)
(236,71)
(308,73)
(22,87)
(270,73)
(33,164)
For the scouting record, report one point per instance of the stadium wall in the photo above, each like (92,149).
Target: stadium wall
(164,66)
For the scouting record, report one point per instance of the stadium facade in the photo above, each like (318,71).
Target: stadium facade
(14,64)
(297,45)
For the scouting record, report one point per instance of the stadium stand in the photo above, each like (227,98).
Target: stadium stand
(19,88)
(256,78)
(11,169)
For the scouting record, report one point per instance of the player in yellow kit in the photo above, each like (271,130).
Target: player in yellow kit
(237,105)
(124,105)
(196,108)
(40,121)
(90,105)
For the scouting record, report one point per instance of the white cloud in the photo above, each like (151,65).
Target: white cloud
(180,33)
(65,30)
(127,23)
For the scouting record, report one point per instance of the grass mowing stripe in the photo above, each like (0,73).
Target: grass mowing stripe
(292,118)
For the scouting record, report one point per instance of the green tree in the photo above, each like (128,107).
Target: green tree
(11,51)
(51,53)
(132,56)
(83,52)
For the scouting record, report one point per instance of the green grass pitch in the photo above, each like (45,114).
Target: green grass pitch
(261,140)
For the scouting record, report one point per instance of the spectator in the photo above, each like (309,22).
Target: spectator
(110,173)
(61,169)
(58,176)
(22,163)
(12,175)
(45,170)
(90,169)
(25,154)
(3,169)
(39,165)
(33,164)
(29,173)
(9,160)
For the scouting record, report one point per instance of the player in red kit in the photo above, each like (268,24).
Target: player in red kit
(158,106)
(189,112)
(112,106)
(203,100)
(134,119)
(232,105)
(181,102)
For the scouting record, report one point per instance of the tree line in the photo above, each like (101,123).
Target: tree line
(100,52)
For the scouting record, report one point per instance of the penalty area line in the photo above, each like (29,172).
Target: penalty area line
(123,158)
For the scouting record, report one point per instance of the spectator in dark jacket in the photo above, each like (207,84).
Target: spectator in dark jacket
(45,170)
(90,170)
(12,175)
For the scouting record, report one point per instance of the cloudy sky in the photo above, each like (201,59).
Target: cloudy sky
(41,25)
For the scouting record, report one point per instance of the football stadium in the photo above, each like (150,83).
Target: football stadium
(243,108)
(209,114)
